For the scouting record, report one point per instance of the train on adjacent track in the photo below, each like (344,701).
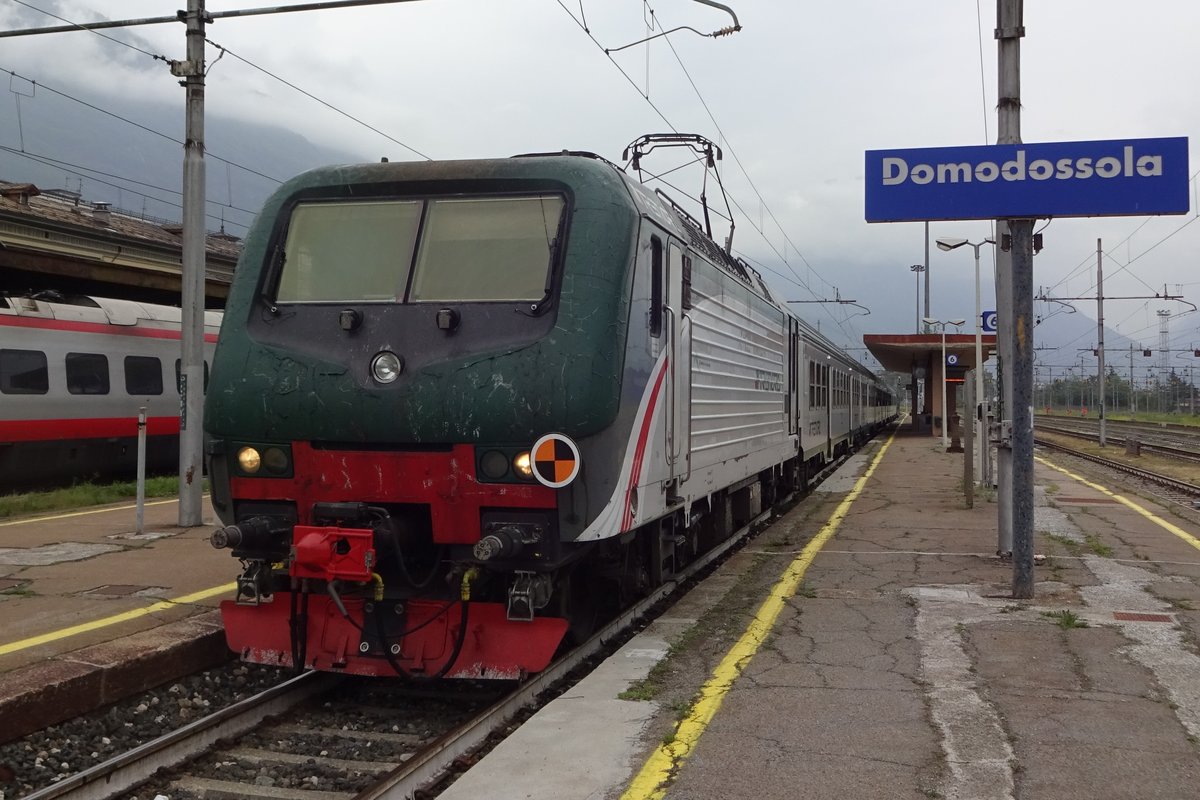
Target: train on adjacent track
(74,372)
(459,409)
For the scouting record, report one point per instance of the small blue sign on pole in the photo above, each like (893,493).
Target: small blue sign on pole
(952,360)
(987,322)
(1122,177)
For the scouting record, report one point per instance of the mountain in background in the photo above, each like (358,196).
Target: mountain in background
(140,171)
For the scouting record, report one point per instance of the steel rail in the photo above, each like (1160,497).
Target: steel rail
(121,773)
(417,772)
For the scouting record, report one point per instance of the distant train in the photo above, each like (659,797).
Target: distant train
(458,408)
(74,371)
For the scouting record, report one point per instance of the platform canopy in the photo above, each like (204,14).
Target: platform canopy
(902,352)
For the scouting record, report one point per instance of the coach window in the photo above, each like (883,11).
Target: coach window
(179,378)
(87,373)
(24,372)
(143,375)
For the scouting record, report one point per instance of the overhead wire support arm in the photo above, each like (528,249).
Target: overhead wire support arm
(837,299)
(726,31)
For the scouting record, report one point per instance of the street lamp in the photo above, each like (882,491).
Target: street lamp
(930,321)
(918,269)
(948,244)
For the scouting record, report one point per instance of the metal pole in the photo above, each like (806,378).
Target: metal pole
(141,471)
(945,414)
(969,450)
(1099,337)
(1009,31)
(191,410)
(1132,395)
(927,270)
(979,394)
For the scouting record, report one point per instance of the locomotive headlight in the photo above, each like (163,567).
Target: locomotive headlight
(386,367)
(276,460)
(249,460)
(522,465)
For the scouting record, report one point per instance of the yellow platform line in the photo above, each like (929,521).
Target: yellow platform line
(27,520)
(137,613)
(1150,515)
(655,776)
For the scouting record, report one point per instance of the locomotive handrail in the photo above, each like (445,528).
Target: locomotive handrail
(672,352)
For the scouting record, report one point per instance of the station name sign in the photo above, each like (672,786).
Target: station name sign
(1122,177)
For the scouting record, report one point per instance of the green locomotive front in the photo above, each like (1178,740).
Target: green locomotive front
(397,338)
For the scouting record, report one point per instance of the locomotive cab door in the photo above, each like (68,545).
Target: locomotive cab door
(677,282)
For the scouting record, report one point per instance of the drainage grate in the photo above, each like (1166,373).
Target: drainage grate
(1103,501)
(1141,616)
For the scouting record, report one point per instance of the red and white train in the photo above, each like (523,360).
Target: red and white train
(74,372)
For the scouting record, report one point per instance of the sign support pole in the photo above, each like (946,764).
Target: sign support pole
(1016,316)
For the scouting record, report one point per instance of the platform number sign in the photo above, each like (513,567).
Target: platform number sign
(987,321)
(952,360)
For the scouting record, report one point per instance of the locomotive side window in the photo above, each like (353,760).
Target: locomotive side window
(87,373)
(24,372)
(143,375)
(486,249)
(349,251)
(656,286)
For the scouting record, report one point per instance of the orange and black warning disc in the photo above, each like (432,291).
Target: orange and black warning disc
(555,460)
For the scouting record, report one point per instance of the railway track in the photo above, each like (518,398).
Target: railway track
(299,728)
(1164,486)
(1176,442)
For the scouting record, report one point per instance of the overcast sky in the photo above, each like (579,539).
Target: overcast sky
(795,98)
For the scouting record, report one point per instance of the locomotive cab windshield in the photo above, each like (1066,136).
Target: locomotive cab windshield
(430,250)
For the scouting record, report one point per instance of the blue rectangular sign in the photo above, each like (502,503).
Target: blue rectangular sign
(1121,177)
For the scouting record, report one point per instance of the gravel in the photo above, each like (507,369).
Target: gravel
(61,750)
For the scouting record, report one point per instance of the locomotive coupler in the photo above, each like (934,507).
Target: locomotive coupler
(254,584)
(529,592)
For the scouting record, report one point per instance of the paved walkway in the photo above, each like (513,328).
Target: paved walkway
(903,669)
(91,610)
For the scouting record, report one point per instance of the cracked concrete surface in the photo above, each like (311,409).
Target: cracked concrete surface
(909,671)
(902,668)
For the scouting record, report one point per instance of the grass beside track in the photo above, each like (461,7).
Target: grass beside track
(83,495)
(1188,471)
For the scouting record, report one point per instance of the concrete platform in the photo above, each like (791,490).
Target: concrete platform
(899,666)
(91,611)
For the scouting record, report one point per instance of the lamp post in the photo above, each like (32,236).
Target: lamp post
(918,269)
(949,244)
(945,416)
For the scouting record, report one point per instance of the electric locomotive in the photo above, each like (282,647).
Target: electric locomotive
(459,409)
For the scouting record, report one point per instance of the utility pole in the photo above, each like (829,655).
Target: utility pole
(1132,391)
(191,371)
(1100,335)
(191,388)
(1018,281)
